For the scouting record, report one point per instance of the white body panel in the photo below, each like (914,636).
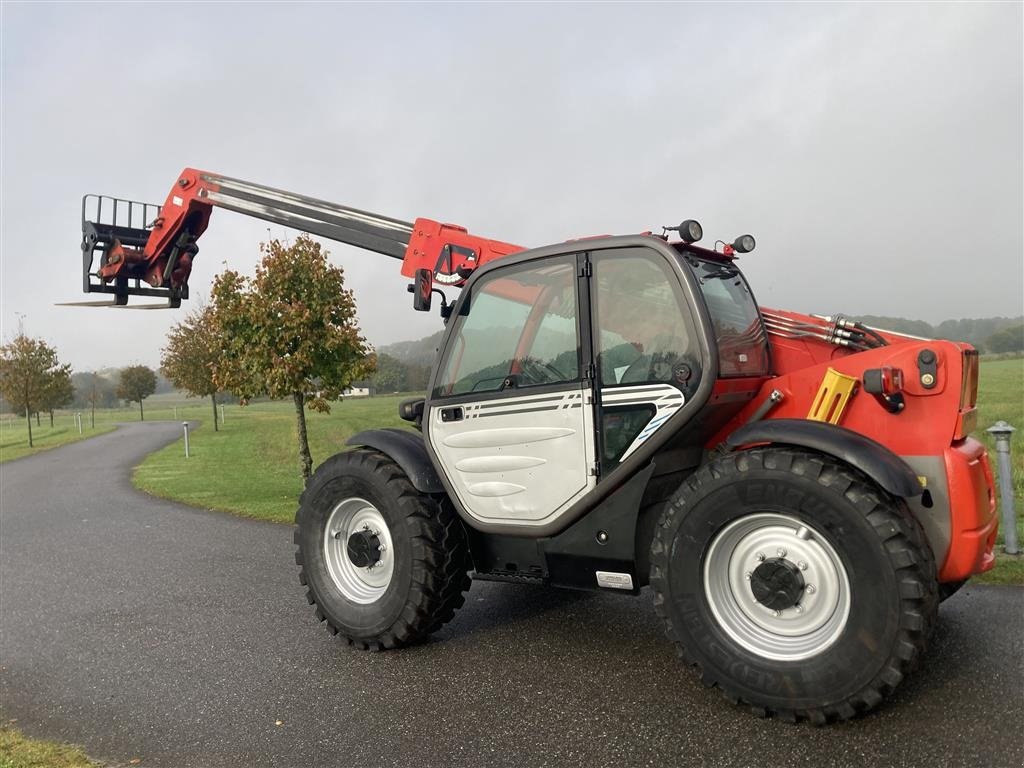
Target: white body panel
(520,460)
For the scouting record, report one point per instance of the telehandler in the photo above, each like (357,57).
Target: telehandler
(607,413)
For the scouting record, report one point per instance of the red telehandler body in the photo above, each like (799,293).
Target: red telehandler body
(800,492)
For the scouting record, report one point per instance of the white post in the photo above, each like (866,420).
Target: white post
(186,438)
(222,413)
(78,420)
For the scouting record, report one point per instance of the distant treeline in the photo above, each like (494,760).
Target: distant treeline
(987,334)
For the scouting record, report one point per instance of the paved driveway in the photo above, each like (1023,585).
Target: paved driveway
(142,628)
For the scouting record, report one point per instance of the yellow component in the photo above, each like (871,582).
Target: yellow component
(923,481)
(834,393)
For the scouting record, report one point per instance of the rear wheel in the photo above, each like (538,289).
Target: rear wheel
(793,583)
(384,564)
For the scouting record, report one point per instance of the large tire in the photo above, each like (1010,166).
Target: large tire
(420,574)
(820,654)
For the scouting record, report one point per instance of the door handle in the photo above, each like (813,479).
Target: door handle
(452,414)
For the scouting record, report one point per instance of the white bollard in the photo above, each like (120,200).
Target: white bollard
(78,419)
(186,438)
(222,413)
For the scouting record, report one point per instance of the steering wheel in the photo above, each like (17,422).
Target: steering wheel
(540,372)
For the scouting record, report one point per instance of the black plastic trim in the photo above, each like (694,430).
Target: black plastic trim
(407,450)
(873,459)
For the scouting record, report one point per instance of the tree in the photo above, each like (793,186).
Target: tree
(290,331)
(193,348)
(26,368)
(1007,340)
(137,383)
(58,391)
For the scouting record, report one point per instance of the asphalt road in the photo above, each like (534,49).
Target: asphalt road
(144,629)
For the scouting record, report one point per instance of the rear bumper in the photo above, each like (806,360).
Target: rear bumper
(972,511)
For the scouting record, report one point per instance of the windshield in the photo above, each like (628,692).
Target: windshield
(742,344)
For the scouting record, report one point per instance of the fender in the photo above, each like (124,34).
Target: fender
(873,459)
(406,449)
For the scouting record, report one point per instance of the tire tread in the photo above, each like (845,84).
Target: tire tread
(900,535)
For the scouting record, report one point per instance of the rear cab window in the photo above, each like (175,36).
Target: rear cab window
(739,330)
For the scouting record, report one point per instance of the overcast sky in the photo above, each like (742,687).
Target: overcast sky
(874,150)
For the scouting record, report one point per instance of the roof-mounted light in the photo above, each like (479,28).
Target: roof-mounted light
(689,231)
(744,244)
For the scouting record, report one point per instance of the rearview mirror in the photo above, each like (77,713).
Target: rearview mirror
(422,289)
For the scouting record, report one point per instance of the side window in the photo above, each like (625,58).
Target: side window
(522,327)
(643,337)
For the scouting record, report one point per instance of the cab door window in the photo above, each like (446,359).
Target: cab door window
(646,352)
(643,336)
(521,331)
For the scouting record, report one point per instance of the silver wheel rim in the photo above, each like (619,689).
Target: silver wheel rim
(360,585)
(794,633)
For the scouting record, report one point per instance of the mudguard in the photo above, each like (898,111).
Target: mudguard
(872,458)
(406,449)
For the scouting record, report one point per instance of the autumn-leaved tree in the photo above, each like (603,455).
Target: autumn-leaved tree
(193,348)
(289,332)
(26,368)
(137,383)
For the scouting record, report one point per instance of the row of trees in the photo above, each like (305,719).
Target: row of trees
(33,380)
(291,331)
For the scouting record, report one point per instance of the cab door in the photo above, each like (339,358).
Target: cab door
(510,419)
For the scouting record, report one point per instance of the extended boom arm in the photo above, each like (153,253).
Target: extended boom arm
(119,256)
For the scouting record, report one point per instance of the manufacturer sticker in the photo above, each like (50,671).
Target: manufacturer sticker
(612,580)
(177,201)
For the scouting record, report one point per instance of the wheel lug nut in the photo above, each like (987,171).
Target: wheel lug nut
(761,557)
(337,534)
(776,614)
(747,575)
(780,552)
(799,608)
(802,565)
(811,589)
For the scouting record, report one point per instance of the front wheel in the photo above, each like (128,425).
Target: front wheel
(793,583)
(384,564)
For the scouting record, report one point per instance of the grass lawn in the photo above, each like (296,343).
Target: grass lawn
(17,751)
(1001,397)
(251,467)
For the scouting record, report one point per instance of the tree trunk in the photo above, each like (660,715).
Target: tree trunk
(141,415)
(51,419)
(300,415)
(37,419)
(28,420)
(214,399)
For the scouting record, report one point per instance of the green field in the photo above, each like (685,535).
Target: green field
(1001,398)
(251,467)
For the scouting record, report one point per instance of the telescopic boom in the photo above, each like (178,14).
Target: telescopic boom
(127,253)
